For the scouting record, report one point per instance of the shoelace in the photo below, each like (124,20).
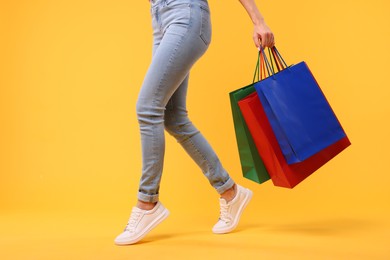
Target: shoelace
(224,214)
(133,220)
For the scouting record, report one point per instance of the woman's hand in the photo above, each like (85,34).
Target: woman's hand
(262,35)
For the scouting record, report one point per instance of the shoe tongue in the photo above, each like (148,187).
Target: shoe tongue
(223,201)
(136,209)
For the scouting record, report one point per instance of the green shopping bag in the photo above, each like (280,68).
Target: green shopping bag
(251,164)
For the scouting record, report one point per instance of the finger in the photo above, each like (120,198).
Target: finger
(266,40)
(272,40)
(256,43)
(256,40)
(269,42)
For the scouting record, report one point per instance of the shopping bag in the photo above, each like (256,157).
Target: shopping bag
(300,116)
(281,173)
(251,164)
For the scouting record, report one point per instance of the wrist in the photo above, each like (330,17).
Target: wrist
(258,21)
(257,18)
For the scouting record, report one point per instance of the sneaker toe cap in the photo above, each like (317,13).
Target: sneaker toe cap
(123,238)
(221,227)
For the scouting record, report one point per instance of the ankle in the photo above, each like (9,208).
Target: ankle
(229,194)
(145,205)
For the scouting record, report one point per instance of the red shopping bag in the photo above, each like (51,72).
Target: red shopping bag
(281,173)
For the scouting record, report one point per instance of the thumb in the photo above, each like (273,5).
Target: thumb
(257,41)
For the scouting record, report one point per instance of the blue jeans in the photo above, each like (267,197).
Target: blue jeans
(181,35)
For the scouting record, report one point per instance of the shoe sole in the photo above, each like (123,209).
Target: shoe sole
(149,228)
(239,213)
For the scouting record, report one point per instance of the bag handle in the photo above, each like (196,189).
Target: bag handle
(257,69)
(260,68)
(275,56)
(279,57)
(266,67)
(267,63)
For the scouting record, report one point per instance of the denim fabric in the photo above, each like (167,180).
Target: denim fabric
(181,35)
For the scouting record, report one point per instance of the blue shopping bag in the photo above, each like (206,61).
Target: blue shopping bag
(300,116)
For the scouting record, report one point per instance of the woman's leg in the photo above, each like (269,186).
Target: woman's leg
(178,45)
(179,125)
(181,26)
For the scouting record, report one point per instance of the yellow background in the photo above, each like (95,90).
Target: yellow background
(70,72)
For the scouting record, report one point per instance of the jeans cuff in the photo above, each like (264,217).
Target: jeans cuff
(227,185)
(147,198)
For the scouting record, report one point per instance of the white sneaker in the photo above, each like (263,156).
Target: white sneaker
(231,211)
(141,222)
